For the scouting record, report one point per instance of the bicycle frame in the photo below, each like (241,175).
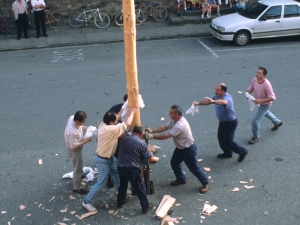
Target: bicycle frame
(91,12)
(49,17)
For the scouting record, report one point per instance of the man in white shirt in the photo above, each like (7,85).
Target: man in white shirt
(19,9)
(74,144)
(39,17)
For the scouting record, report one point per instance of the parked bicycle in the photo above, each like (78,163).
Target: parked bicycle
(54,20)
(153,10)
(101,19)
(139,17)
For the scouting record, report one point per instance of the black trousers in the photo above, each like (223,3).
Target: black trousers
(226,132)
(22,24)
(40,19)
(135,177)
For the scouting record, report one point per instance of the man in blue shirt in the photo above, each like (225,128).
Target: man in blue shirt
(133,152)
(227,122)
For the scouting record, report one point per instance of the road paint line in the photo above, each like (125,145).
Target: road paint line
(208,49)
(255,48)
(67,55)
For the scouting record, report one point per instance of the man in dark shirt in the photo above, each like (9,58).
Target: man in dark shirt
(133,152)
(117,108)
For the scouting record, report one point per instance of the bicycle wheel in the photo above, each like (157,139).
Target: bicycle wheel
(102,20)
(11,26)
(119,20)
(160,13)
(55,20)
(76,20)
(3,25)
(139,17)
(31,26)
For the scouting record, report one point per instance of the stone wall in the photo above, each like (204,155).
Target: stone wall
(66,6)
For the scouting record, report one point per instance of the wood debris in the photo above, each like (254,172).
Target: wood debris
(162,118)
(40,162)
(240,92)
(73,212)
(52,198)
(208,209)
(248,187)
(116,213)
(59,223)
(28,214)
(3,212)
(235,189)
(251,180)
(243,182)
(87,215)
(106,206)
(177,204)
(66,219)
(72,197)
(22,207)
(206,169)
(240,170)
(164,206)
(202,217)
(40,205)
(199,160)
(111,211)
(64,210)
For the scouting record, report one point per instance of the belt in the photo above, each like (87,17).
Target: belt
(102,157)
(228,121)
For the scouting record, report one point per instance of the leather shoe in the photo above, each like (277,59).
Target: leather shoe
(204,189)
(177,182)
(37,36)
(253,141)
(242,157)
(80,191)
(18,38)
(224,156)
(276,126)
(26,37)
(149,208)
(45,35)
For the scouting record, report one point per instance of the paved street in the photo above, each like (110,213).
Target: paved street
(40,89)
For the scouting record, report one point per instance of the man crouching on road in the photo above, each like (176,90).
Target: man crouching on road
(186,149)
(108,133)
(133,152)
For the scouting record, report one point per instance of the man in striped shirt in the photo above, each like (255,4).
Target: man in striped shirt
(185,148)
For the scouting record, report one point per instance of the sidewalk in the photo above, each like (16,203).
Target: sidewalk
(68,36)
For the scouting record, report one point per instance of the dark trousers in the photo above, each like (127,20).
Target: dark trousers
(22,24)
(226,132)
(189,157)
(40,19)
(134,176)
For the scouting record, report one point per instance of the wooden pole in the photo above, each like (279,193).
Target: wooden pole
(132,85)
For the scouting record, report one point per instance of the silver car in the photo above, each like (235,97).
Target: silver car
(262,19)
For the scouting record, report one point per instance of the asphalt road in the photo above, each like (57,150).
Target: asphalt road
(40,89)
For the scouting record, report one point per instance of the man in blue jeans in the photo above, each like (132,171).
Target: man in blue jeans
(108,133)
(227,122)
(264,95)
(186,149)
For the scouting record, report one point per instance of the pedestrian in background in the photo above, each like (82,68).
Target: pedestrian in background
(185,150)
(74,143)
(19,9)
(227,122)
(264,96)
(39,17)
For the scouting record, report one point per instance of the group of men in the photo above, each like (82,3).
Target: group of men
(20,11)
(133,150)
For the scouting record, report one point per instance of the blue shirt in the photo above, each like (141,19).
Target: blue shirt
(133,151)
(225,113)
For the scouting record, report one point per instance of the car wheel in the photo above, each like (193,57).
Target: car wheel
(242,38)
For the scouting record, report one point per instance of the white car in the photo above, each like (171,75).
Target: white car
(262,19)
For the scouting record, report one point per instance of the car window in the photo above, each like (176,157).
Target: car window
(253,10)
(291,11)
(273,12)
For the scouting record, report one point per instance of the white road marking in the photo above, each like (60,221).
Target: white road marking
(208,49)
(254,48)
(67,55)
